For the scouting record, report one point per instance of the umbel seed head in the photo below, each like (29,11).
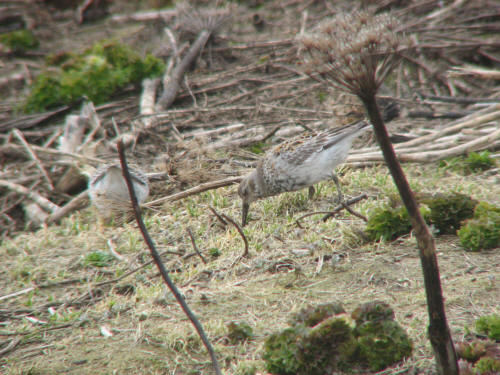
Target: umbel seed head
(354,51)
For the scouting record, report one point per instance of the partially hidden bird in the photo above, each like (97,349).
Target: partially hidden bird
(109,193)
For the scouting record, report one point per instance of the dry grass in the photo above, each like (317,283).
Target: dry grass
(150,333)
(60,325)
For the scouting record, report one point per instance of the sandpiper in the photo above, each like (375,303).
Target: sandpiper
(299,163)
(109,193)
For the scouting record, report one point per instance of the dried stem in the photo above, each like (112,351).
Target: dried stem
(224,219)
(207,24)
(17,133)
(336,210)
(80,200)
(193,242)
(356,52)
(157,259)
(41,201)
(195,190)
(439,332)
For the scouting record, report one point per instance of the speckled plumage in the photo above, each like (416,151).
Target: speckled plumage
(299,163)
(109,193)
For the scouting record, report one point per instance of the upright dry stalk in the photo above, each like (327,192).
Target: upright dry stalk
(356,52)
(159,263)
(203,22)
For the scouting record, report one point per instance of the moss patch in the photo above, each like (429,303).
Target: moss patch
(487,366)
(388,223)
(472,163)
(97,73)
(447,211)
(490,326)
(483,230)
(19,40)
(382,344)
(444,211)
(239,332)
(332,344)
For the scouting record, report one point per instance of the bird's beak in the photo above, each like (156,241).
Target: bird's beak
(244,213)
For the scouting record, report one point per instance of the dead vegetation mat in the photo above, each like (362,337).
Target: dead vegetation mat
(246,92)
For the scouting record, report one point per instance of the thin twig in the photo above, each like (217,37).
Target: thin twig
(435,115)
(163,15)
(240,231)
(157,259)
(195,190)
(147,101)
(41,201)
(59,154)
(352,212)
(12,344)
(451,99)
(217,215)
(336,210)
(194,245)
(224,219)
(18,293)
(89,112)
(33,156)
(113,252)
(80,200)
(174,79)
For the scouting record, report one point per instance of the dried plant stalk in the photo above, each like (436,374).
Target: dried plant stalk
(356,52)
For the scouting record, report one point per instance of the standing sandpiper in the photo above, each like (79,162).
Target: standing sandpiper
(299,163)
(109,193)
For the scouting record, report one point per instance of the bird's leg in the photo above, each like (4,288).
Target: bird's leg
(340,196)
(244,213)
(311,192)
(341,200)
(100,224)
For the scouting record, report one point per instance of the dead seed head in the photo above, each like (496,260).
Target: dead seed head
(195,19)
(353,51)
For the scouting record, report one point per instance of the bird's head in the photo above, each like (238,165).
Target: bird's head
(248,192)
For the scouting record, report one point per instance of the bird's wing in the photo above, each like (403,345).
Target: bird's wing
(297,150)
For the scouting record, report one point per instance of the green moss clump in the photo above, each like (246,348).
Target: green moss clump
(382,343)
(474,162)
(332,344)
(97,73)
(321,96)
(375,311)
(388,223)
(214,252)
(327,347)
(477,162)
(447,211)
(280,352)
(312,315)
(246,368)
(485,209)
(239,332)
(483,230)
(487,366)
(19,40)
(257,147)
(471,352)
(489,325)
(98,259)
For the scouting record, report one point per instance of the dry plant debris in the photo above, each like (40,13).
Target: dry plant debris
(245,93)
